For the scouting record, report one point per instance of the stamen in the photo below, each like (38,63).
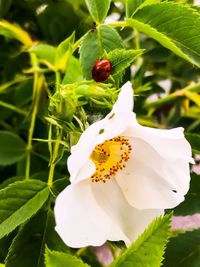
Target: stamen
(110,157)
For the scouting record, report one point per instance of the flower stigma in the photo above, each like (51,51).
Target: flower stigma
(110,157)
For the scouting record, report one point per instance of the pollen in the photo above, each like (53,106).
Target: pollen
(110,157)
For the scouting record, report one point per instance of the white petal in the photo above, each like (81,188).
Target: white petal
(112,125)
(86,171)
(168,143)
(79,219)
(131,221)
(150,181)
(124,104)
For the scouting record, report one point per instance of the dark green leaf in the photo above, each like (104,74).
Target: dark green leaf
(11,180)
(4,7)
(194,140)
(60,259)
(149,248)
(98,9)
(19,201)
(192,199)
(184,250)
(94,44)
(27,248)
(131,6)
(12,147)
(175,26)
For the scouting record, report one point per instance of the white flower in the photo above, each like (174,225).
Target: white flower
(123,175)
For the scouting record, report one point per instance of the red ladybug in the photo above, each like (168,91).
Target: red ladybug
(101,70)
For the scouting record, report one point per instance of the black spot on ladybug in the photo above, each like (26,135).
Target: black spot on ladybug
(101,70)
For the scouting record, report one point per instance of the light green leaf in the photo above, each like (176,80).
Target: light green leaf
(193,112)
(132,6)
(191,203)
(94,44)
(10,30)
(44,52)
(60,259)
(194,140)
(19,201)
(121,59)
(32,237)
(63,52)
(74,71)
(98,9)
(195,97)
(12,148)
(173,25)
(183,250)
(149,248)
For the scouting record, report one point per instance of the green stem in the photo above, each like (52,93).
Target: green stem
(179,94)
(36,98)
(121,24)
(80,251)
(58,81)
(14,108)
(137,39)
(54,153)
(54,157)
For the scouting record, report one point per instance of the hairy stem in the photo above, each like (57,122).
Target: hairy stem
(54,152)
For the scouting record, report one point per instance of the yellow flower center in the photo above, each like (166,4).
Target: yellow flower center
(110,157)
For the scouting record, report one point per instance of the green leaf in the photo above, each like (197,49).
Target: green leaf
(173,25)
(74,71)
(4,7)
(183,250)
(18,79)
(19,201)
(44,52)
(121,59)
(5,244)
(194,97)
(63,52)
(132,6)
(194,140)
(191,203)
(10,30)
(12,147)
(98,9)
(32,237)
(149,248)
(60,259)
(95,42)
(11,180)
